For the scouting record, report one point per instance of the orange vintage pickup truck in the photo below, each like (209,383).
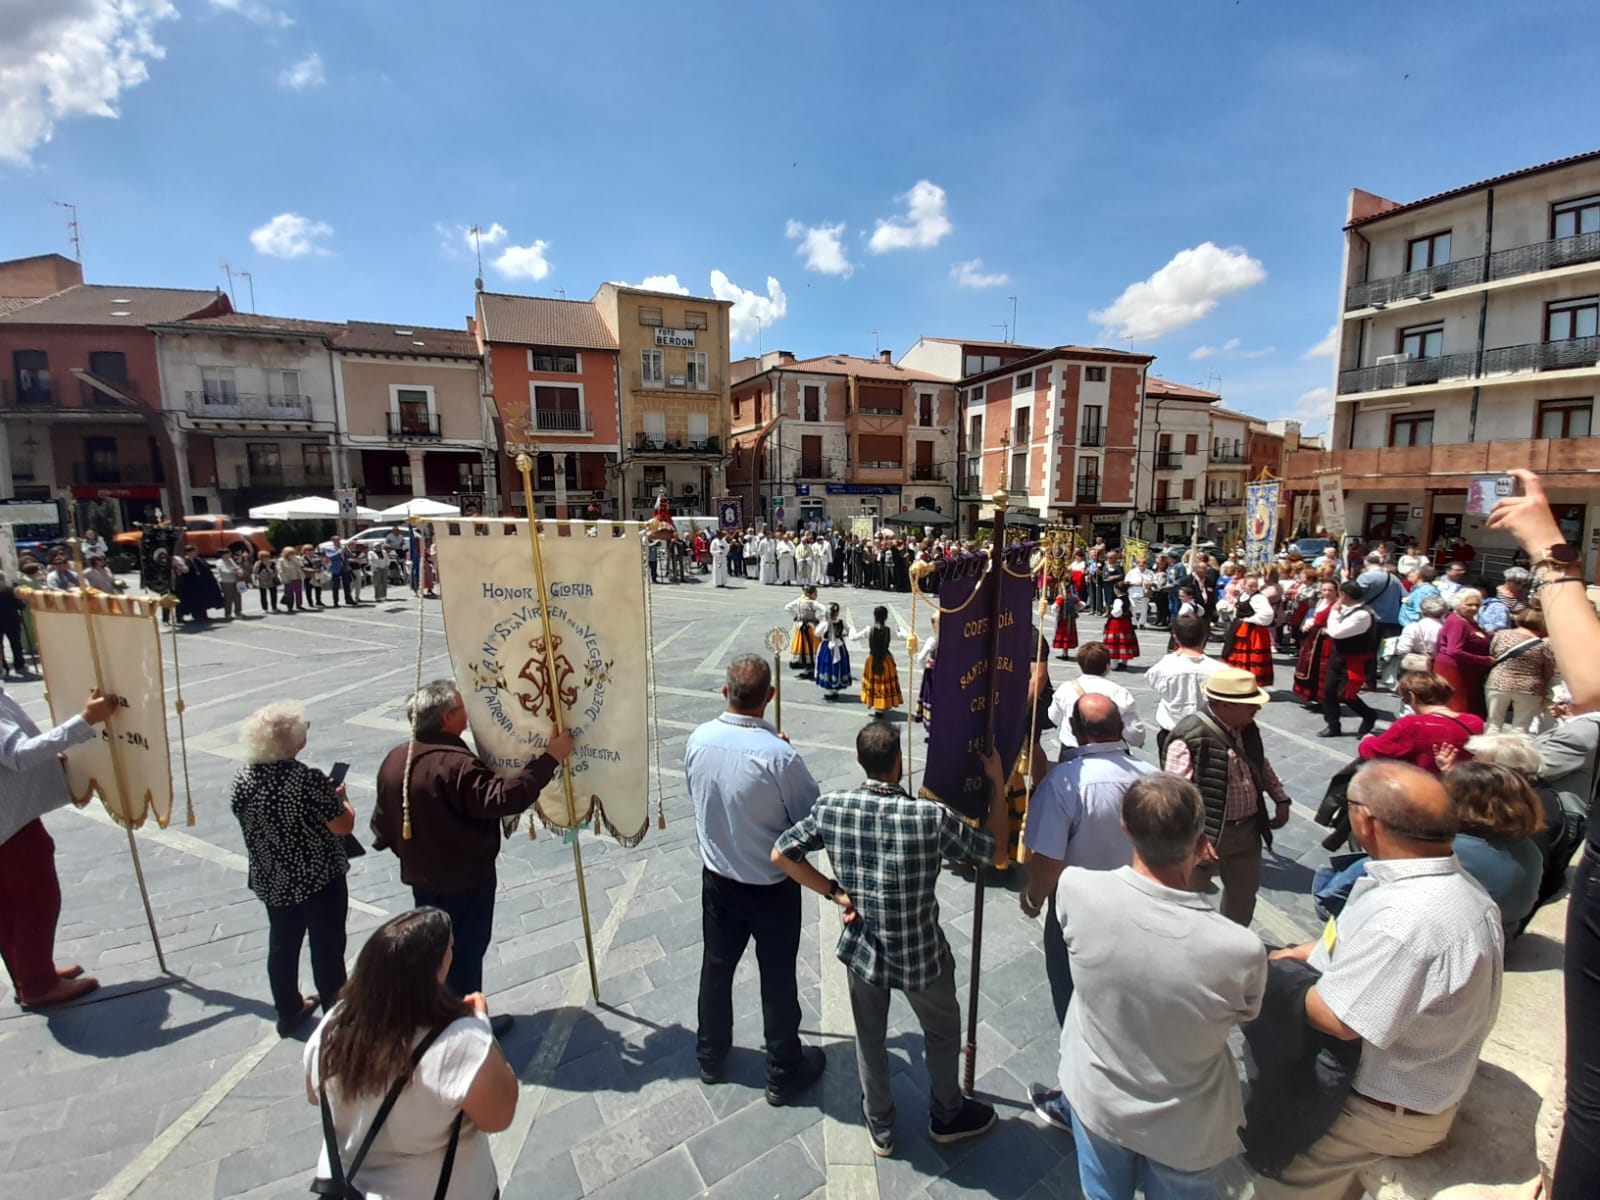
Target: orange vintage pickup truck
(210,534)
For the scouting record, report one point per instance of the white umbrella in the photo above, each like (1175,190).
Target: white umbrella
(418,506)
(307,508)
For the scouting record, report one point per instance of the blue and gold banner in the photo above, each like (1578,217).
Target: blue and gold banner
(1260,523)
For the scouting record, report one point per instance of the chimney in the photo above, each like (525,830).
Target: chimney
(886,357)
(785,356)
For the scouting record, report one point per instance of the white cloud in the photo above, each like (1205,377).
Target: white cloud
(925,223)
(1229,349)
(822,246)
(970,274)
(1180,293)
(660,283)
(524,262)
(289,235)
(1327,347)
(492,236)
(256,12)
(70,58)
(1312,410)
(750,310)
(307,73)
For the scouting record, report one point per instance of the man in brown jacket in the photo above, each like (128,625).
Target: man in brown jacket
(456,806)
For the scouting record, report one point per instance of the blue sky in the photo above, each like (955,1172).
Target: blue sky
(836,168)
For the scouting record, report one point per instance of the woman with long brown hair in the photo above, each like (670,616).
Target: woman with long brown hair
(399,1038)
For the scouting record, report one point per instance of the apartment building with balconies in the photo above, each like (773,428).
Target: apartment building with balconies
(1468,343)
(250,399)
(81,392)
(552,377)
(413,417)
(673,394)
(838,436)
(1174,457)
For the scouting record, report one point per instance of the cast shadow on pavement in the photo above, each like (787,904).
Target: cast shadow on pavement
(132,1017)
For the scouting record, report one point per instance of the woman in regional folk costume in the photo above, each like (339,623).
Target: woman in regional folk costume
(925,657)
(1119,636)
(803,646)
(1067,605)
(1315,647)
(833,655)
(880,678)
(1249,641)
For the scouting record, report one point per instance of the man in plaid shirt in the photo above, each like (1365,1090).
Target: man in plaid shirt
(887,847)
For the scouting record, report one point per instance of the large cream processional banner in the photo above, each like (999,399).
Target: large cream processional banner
(594,583)
(127,766)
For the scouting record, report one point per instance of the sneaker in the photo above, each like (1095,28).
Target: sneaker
(812,1063)
(712,1072)
(882,1139)
(974,1118)
(1049,1106)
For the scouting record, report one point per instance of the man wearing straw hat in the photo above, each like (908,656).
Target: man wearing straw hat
(1219,748)
(33,781)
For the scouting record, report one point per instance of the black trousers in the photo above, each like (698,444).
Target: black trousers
(14,636)
(732,913)
(321,916)
(1333,683)
(1057,966)
(472,919)
(1578,1162)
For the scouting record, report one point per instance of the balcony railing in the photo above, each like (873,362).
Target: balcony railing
(643,443)
(1572,354)
(1163,506)
(1223,501)
(927,474)
(1088,491)
(1091,436)
(1229,457)
(36,396)
(246,406)
(971,484)
(1017,485)
(1168,460)
(1502,264)
(93,397)
(87,473)
(868,410)
(289,475)
(411,425)
(674,381)
(562,420)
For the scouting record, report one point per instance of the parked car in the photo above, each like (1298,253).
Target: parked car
(377,535)
(1310,547)
(211,534)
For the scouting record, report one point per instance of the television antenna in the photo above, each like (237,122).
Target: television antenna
(74,230)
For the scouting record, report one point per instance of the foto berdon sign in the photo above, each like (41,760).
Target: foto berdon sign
(675,337)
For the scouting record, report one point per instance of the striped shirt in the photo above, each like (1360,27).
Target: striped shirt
(1243,798)
(32,780)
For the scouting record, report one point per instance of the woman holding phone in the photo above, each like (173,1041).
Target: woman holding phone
(293,817)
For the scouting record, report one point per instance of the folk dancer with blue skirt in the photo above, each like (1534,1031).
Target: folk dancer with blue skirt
(833,654)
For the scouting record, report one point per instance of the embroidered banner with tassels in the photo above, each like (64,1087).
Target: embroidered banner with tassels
(493,621)
(127,766)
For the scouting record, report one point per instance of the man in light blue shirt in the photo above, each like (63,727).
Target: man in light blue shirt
(749,785)
(1075,819)
(32,783)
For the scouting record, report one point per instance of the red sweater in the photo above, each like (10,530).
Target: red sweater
(1412,738)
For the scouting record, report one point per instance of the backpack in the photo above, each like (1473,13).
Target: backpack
(341,1184)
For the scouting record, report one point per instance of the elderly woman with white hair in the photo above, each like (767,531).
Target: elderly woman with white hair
(293,817)
(1462,655)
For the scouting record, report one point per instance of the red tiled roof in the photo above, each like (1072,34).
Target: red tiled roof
(373,337)
(261,324)
(862,368)
(1238,416)
(101,304)
(538,321)
(1164,387)
(1553,165)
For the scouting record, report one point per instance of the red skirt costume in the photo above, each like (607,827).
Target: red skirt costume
(1120,638)
(1066,624)
(1315,649)
(1251,649)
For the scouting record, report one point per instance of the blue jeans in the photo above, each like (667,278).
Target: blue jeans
(1107,1171)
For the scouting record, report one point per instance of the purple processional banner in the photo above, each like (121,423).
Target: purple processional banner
(963,685)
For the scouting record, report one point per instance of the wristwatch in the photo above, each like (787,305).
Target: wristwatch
(833,889)
(1562,554)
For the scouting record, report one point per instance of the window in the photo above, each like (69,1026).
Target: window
(1425,252)
(699,370)
(400,476)
(810,456)
(412,406)
(975,434)
(1572,319)
(1191,443)
(699,429)
(1094,374)
(289,384)
(110,365)
(217,386)
(813,403)
(1386,521)
(925,410)
(1411,429)
(882,451)
(655,428)
(100,460)
(469,476)
(1164,443)
(737,404)
(1089,481)
(30,371)
(1573,217)
(1564,418)
(652,368)
(266,462)
(650,316)
(1421,341)
(695,320)
(557,408)
(1188,489)
(317,460)
(1024,382)
(977,393)
(564,362)
(1091,433)
(974,364)
(654,477)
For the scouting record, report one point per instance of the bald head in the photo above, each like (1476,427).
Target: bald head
(1096,718)
(1411,804)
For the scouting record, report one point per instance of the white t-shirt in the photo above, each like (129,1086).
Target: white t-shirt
(408,1153)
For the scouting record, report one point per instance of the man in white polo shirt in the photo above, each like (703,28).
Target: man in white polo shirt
(1094,660)
(1178,677)
(1411,967)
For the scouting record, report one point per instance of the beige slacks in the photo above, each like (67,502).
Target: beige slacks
(1362,1134)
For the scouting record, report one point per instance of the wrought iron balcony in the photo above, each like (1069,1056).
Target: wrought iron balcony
(1230,458)
(410,425)
(1547,255)
(927,474)
(1088,490)
(1570,355)
(1163,506)
(644,443)
(562,420)
(1168,460)
(227,405)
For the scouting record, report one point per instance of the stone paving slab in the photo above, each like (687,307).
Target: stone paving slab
(131,1093)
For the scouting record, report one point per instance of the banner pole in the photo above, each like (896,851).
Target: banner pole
(997,551)
(525,466)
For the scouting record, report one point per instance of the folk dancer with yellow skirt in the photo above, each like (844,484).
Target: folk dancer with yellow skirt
(803,646)
(880,678)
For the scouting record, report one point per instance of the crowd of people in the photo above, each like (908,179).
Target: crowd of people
(1146,876)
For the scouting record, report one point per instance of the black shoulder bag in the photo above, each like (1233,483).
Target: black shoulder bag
(341,1184)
